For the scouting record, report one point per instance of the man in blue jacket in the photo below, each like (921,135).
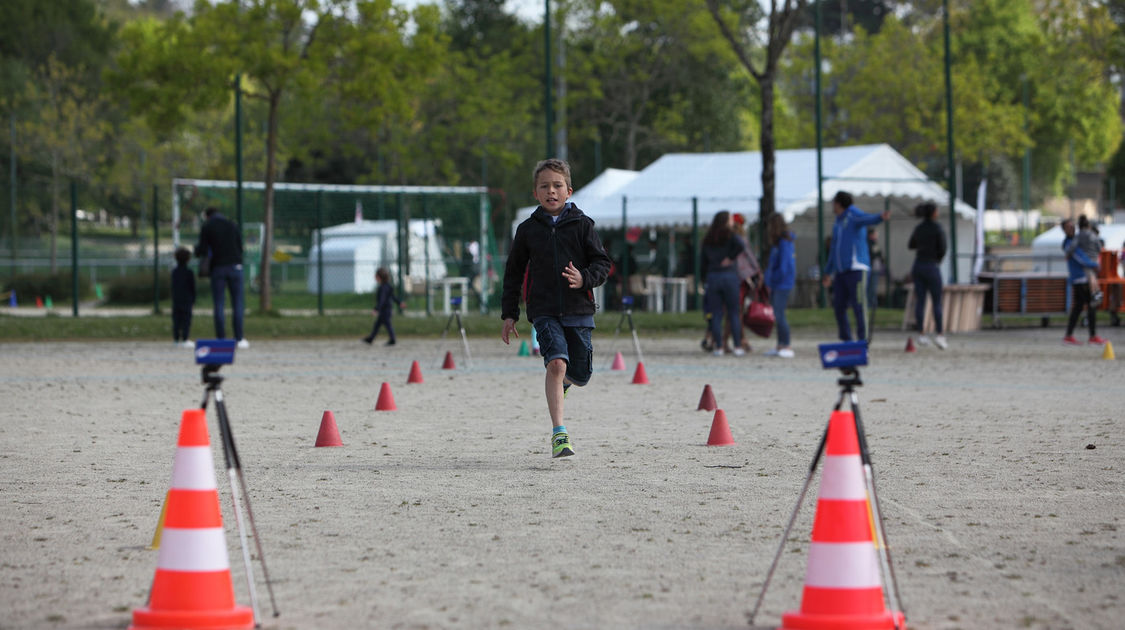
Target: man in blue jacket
(1077,262)
(849,262)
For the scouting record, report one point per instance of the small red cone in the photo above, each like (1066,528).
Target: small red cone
(328,435)
(38,302)
(448,365)
(618,362)
(720,431)
(415,374)
(707,400)
(639,377)
(909,345)
(386,400)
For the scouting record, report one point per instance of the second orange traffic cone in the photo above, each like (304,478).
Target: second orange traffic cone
(386,400)
(192,587)
(720,431)
(448,364)
(843,587)
(618,362)
(640,377)
(909,345)
(328,435)
(415,374)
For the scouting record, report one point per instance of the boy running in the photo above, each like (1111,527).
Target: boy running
(564,260)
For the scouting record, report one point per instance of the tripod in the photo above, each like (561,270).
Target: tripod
(456,314)
(214,387)
(626,315)
(848,384)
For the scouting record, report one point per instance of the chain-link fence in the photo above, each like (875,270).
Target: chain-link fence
(328,241)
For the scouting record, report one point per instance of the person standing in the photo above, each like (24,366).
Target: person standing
(720,272)
(221,240)
(928,242)
(384,306)
(183,298)
(749,275)
(1077,264)
(781,275)
(561,256)
(848,264)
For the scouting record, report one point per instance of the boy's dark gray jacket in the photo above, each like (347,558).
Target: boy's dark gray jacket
(543,249)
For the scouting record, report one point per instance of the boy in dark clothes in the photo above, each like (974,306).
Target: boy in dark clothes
(564,260)
(384,303)
(183,298)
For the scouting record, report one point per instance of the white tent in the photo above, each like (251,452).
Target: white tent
(353,251)
(662,196)
(1047,247)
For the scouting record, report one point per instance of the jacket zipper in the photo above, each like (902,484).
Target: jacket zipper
(555,250)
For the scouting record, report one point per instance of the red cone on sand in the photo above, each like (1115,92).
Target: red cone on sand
(843,587)
(618,362)
(328,435)
(192,587)
(720,431)
(415,374)
(909,345)
(448,365)
(386,400)
(639,377)
(707,400)
(38,302)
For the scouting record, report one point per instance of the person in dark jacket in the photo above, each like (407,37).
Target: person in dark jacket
(564,260)
(1077,264)
(720,273)
(385,302)
(183,298)
(221,240)
(781,275)
(928,242)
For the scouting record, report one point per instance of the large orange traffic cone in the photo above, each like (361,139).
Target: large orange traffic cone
(386,400)
(328,435)
(707,400)
(192,587)
(448,364)
(415,374)
(843,588)
(618,362)
(639,377)
(909,345)
(720,430)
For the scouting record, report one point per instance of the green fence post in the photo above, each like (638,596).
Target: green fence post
(403,244)
(155,253)
(426,250)
(319,255)
(74,245)
(695,253)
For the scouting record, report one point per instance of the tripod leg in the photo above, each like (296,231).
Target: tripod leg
(464,339)
(230,455)
(894,599)
(636,342)
(613,342)
(789,526)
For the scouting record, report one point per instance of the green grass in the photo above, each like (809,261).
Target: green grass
(341,326)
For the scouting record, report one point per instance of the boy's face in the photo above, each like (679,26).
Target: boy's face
(551,191)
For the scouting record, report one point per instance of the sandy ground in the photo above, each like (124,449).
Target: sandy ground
(449,513)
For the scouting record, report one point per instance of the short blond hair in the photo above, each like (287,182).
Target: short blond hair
(552,164)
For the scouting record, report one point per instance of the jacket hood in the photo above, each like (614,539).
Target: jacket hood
(571,212)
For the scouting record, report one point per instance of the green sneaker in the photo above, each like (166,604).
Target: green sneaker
(560,445)
(566,389)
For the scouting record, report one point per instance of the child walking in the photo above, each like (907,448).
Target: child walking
(183,298)
(1088,241)
(564,260)
(384,305)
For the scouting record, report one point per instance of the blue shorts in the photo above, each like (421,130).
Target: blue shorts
(570,343)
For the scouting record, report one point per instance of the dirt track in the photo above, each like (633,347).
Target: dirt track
(449,513)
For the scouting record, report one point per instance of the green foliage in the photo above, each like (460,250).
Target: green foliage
(59,286)
(136,288)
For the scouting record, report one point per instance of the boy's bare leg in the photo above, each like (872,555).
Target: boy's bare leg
(556,374)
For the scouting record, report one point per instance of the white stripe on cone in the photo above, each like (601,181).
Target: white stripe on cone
(843,565)
(193,550)
(842,479)
(192,469)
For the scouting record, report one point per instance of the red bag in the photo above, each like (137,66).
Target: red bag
(759,316)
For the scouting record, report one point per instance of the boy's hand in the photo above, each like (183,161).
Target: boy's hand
(887,214)
(508,329)
(572,275)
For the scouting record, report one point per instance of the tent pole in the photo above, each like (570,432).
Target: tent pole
(822,296)
(695,253)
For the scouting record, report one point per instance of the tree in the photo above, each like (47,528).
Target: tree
(742,26)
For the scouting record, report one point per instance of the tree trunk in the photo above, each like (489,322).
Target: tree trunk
(767,207)
(266,302)
(631,147)
(54,223)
